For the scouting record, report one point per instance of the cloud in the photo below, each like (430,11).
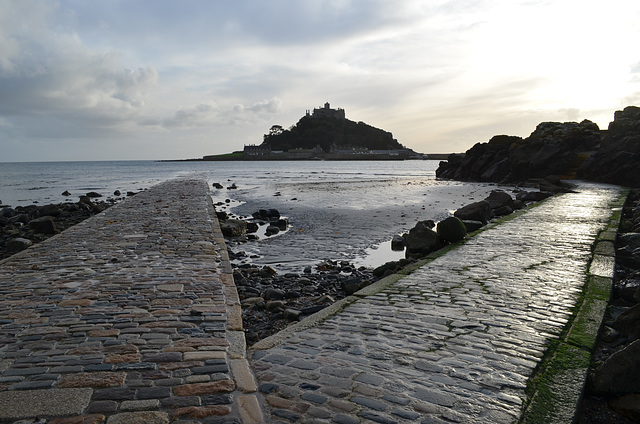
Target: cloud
(51,76)
(271,106)
(208,74)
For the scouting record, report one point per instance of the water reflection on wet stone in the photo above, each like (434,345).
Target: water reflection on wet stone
(454,341)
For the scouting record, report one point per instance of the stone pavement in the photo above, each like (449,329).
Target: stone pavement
(132,317)
(129,317)
(454,341)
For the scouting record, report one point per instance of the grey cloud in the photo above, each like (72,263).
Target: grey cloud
(198,115)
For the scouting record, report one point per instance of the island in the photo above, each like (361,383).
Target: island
(324,134)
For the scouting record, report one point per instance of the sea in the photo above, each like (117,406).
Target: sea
(338,210)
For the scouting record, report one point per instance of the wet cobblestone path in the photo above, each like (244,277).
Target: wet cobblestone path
(129,317)
(456,340)
(132,317)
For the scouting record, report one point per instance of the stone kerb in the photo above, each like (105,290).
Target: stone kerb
(130,316)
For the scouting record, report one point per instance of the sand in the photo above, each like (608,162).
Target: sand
(352,221)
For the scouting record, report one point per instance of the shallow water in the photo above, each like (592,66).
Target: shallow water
(337,210)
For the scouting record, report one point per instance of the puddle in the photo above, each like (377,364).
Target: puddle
(378,255)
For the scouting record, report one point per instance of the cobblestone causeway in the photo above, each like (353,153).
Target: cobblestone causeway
(129,317)
(456,340)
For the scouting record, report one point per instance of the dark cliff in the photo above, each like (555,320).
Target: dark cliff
(568,150)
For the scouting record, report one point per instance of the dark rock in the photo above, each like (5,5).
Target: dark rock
(478,211)
(273,294)
(117,193)
(66,193)
(50,210)
(397,243)
(353,285)
(267,214)
(620,373)
(6,212)
(451,229)
(628,323)
(218,186)
(44,225)
(93,194)
(499,198)
(618,159)
(252,227)
(271,230)
(223,216)
(18,244)
(628,406)
(275,306)
(421,239)
(282,224)
(233,228)
(554,148)
(85,200)
(502,211)
(631,240)
(291,314)
(472,226)
(22,218)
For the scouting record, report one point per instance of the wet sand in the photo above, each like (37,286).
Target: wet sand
(348,220)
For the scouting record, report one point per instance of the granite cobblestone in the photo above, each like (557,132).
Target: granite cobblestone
(454,341)
(130,309)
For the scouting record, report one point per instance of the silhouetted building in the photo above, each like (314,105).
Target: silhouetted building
(327,112)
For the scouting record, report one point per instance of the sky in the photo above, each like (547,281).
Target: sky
(166,79)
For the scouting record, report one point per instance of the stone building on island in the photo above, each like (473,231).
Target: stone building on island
(327,112)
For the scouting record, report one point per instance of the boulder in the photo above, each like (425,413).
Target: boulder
(451,229)
(66,193)
(44,225)
(233,228)
(631,240)
(267,214)
(499,198)
(85,200)
(6,212)
(472,226)
(271,230)
(421,239)
(502,211)
(93,194)
(282,224)
(117,193)
(218,186)
(619,374)
(628,406)
(18,244)
(273,294)
(252,227)
(628,323)
(51,210)
(397,243)
(478,211)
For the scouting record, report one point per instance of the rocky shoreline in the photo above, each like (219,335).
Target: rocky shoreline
(22,226)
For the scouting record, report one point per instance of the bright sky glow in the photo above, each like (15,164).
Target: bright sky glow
(164,79)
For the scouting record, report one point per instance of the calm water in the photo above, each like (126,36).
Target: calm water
(24,183)
(337,210)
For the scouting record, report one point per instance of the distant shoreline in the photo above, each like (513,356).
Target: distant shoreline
(232,157)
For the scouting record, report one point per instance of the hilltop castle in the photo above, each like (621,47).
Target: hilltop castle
(327,112)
